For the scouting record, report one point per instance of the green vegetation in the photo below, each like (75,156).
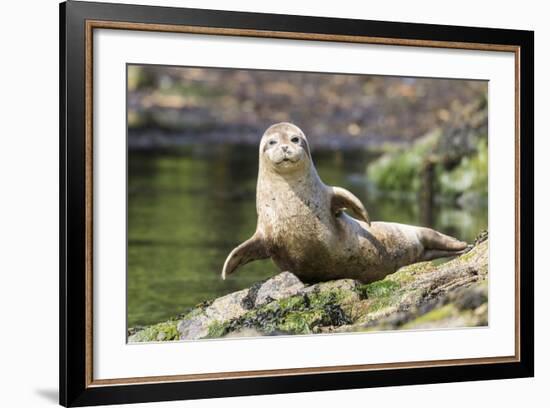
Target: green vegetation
(301,314)
(435,315)
(400,170)
(216,329)
(470,176)
(449,163)
(165,331)
(379,289)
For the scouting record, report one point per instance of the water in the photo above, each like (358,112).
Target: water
(187,209)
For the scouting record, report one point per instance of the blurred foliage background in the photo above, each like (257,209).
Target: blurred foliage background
(415,150)
(167,105)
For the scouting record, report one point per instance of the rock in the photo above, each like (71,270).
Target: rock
(281,286)
(420,296)
(202,323)
(245,332)
(195,324)
(345,285)
(438,292)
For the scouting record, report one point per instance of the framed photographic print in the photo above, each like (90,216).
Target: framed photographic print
(256,203)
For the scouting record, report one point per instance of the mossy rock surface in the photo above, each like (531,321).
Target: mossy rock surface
(165,331)
(420,296)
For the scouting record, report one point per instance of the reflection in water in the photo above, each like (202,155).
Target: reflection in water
(188,208)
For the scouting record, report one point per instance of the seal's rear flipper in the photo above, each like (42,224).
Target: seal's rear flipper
(432,254)
(250,250)
(432,239)
(438,245)
(342,199)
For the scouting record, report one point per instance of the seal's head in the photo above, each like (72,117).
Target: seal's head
(284,149)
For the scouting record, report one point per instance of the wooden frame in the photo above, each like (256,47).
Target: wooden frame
(77,22)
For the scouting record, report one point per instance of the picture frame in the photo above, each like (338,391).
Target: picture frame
(78,23)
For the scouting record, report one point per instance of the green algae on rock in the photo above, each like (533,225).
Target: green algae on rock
(165,331)
(425,295)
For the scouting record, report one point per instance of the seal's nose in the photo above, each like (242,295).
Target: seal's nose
(285,148)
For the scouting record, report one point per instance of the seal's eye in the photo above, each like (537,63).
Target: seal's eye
(272,142)
(295,139)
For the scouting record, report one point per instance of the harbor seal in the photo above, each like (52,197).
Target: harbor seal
(303,227)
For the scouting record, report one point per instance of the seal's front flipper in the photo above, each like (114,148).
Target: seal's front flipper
(342,199)
(250,250)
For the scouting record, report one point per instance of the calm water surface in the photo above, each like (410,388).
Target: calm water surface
(189,208)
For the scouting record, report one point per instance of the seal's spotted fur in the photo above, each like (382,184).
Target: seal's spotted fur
(303,228)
